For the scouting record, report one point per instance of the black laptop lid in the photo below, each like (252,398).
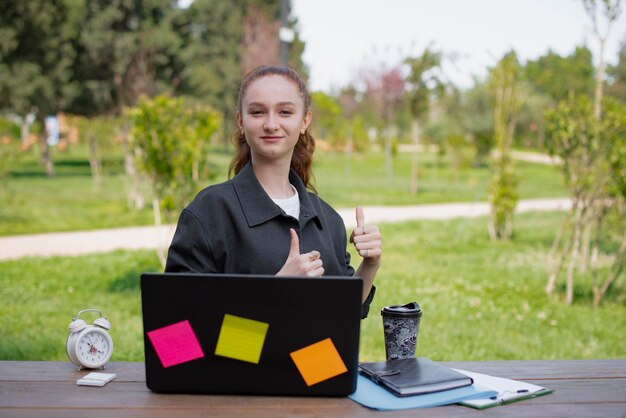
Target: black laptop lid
(241,334)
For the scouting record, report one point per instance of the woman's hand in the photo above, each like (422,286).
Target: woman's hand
(307,264)
(366,239)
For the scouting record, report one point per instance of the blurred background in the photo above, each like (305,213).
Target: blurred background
(116,113)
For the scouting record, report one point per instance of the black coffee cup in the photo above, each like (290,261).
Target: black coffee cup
(401,327)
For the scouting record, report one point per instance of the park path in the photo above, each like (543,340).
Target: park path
(150,237)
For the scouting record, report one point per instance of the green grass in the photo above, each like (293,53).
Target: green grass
(481,300)
(366,181)
(72,201)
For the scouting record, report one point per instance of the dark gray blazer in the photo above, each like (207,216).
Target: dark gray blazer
(235,227)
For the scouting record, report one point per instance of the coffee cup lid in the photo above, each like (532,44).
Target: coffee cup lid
(411,309)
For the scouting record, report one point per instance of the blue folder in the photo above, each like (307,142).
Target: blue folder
(373,396)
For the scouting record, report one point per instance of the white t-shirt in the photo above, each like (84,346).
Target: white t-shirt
(291,205)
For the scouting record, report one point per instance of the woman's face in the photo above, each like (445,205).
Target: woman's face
(272,116)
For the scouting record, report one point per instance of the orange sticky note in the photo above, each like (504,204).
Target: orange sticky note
(318,362)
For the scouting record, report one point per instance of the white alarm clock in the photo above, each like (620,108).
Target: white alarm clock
(89,346)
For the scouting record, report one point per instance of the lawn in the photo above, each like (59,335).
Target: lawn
(72,201)
(481,300)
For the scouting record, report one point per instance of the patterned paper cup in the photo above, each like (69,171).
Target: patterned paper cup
(401,326)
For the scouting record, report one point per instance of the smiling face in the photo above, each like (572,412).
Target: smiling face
(272,116)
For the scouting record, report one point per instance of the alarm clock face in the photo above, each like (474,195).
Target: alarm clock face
(94,348)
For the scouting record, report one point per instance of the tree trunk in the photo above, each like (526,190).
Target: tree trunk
(388,154)
(569,290)
(597,101)
(46,154)
(348,154)
(618,267)
(134,198)
(95,163)
(556,269)
(415,133)
(584,247)
(156,212)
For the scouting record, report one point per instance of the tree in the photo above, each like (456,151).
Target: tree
(423,81)
(591,150)
(611,11)
(126,49)
(210,59)
(558,77)
(355,132)
(170,138)
(553,78)
(617,76)
(614,127)
(476,119)
(36,57)
(328,119)
(99,134)
(9,149)
(261,45)
(503,186)
(386,86)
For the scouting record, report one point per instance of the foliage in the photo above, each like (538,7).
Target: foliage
(574,137)
(462,126)
(36,56)
(460,152)
(328,125)
(360,138)
(617,76)
(385,87)
(352,109)
(126,48)
(9,149)
(557,76)
(592,151)
(424,84)
(462,306)
(615,119)
(423,81)
(171,139)
(602,22)
(503,186)
(210,59)
(530,127)
(101,136)
(94,57)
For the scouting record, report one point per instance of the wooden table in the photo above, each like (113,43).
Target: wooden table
(584,388)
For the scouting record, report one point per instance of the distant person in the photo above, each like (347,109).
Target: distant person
(264,220)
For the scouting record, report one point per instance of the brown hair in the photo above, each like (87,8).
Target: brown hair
(302,158)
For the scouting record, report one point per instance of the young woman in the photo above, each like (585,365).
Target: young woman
(264,220)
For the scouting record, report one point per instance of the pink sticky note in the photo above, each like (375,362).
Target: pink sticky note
(175,344)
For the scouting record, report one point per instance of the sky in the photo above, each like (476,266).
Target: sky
(344,36)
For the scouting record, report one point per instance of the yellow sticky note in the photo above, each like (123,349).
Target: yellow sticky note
(318,362)
(241,338)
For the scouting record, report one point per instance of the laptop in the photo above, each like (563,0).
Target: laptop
(251,334)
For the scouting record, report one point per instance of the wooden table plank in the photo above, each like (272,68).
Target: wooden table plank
(546,369)
(47,371)
(519,410)
(512,369)
(136,395)
(593,388)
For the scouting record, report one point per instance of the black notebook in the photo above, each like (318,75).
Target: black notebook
(414,376)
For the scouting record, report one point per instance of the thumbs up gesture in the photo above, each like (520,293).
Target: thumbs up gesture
(366,238)
(307,264)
